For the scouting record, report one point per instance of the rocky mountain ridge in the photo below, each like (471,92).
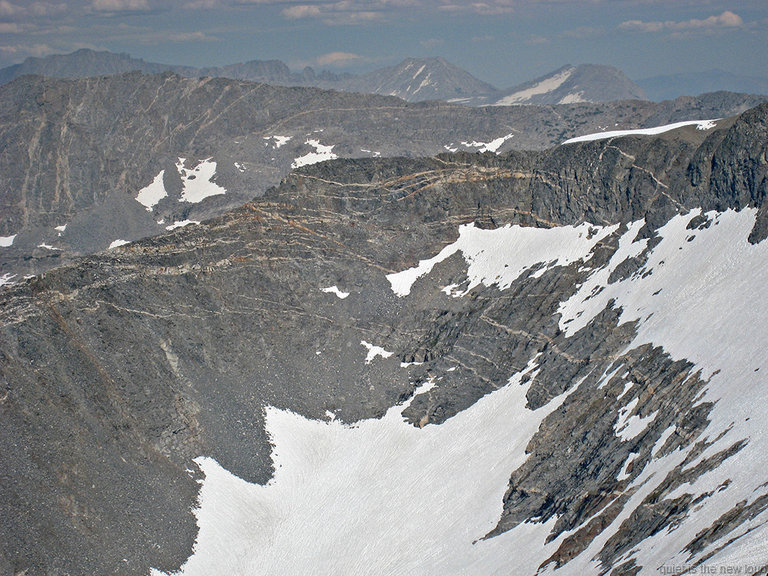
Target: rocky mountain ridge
(122,369)
(87,164)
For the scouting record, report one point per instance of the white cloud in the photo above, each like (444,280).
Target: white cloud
(344,12)
(202,4)
(47,8)
(10,9)
(119,5)
(302,11)
(431,43)
(10,28)
(337,58)
(492,8)
(727,19)
(192,37)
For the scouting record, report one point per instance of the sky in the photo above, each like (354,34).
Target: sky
(503,42)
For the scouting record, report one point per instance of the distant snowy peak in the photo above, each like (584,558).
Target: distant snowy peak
(416,79)
(572,84)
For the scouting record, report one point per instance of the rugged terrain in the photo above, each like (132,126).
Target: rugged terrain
(593,305)
(87,164)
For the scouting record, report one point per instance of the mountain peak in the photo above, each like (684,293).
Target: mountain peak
(416,79)
(571,84)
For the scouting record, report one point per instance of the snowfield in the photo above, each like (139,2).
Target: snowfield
(500,256)
(320,154)
(379,497)
(197,183)
(150,195)
(542,87)
(383,497)
(700,125)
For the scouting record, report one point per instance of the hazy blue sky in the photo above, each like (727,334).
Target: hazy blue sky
(500,41)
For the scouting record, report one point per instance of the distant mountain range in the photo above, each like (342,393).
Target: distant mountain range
(674,85)
(413,80)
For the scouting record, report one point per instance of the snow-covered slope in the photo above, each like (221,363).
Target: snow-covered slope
(572,84)
(417,79)
(384,497)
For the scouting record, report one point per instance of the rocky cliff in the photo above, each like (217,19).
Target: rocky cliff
(563,299)
(93,163)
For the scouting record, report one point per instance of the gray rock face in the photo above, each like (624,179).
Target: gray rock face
(118,370)
(79,153)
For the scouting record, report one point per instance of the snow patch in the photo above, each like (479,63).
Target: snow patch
(662,440)
(374,351)
(48,246)
(277,141)
(181,224)
(627,388)
(335,290)
(700,297)
(150,195)
(628,427)
(502,255)
(624,474)
(116,243)
(573,98)
(7,279)
(700,125)
(197,183)
(492,146)
(320,154)
(7,241)
(424,83)
(547,85)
